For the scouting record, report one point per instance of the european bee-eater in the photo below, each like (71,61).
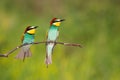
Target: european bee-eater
(51,38)
(28,37)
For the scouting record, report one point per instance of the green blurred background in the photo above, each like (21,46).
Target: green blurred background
(93,23)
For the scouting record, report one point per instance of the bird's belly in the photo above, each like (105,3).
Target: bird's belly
(52,35)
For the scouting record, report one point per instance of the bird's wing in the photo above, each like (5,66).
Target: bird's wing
(46,35)
(57,34)
(22,37)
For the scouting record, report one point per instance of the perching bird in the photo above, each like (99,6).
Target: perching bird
(28,37)
(52,37)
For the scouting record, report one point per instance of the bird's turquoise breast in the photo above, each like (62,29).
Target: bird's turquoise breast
(28,38)
(53,33)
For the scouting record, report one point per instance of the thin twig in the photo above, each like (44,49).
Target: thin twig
(3,55)
(62,43)
(69,44)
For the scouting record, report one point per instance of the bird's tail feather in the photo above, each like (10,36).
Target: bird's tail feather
(48,60)
(49,50)
(24,52)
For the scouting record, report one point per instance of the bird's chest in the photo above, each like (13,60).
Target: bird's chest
(52,34)
(28,38)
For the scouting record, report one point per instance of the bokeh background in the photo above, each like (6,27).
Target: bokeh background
(93,23)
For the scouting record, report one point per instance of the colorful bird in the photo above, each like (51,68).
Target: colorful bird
(51,38)
(28,37)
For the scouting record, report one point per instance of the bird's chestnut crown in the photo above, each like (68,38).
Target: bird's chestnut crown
(56,21)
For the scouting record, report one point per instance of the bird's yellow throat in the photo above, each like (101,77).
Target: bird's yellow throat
(32,31)
(57,24)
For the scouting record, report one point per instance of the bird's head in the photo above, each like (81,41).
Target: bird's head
(56,21)
(31,29)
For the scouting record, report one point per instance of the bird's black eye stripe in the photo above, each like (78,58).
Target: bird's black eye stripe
(30,28)
(55,21)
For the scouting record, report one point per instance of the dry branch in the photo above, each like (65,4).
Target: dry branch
(62,43)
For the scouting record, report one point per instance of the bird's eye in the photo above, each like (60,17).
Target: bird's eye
(29,28)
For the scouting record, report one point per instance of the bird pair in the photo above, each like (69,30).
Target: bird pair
(52,36)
